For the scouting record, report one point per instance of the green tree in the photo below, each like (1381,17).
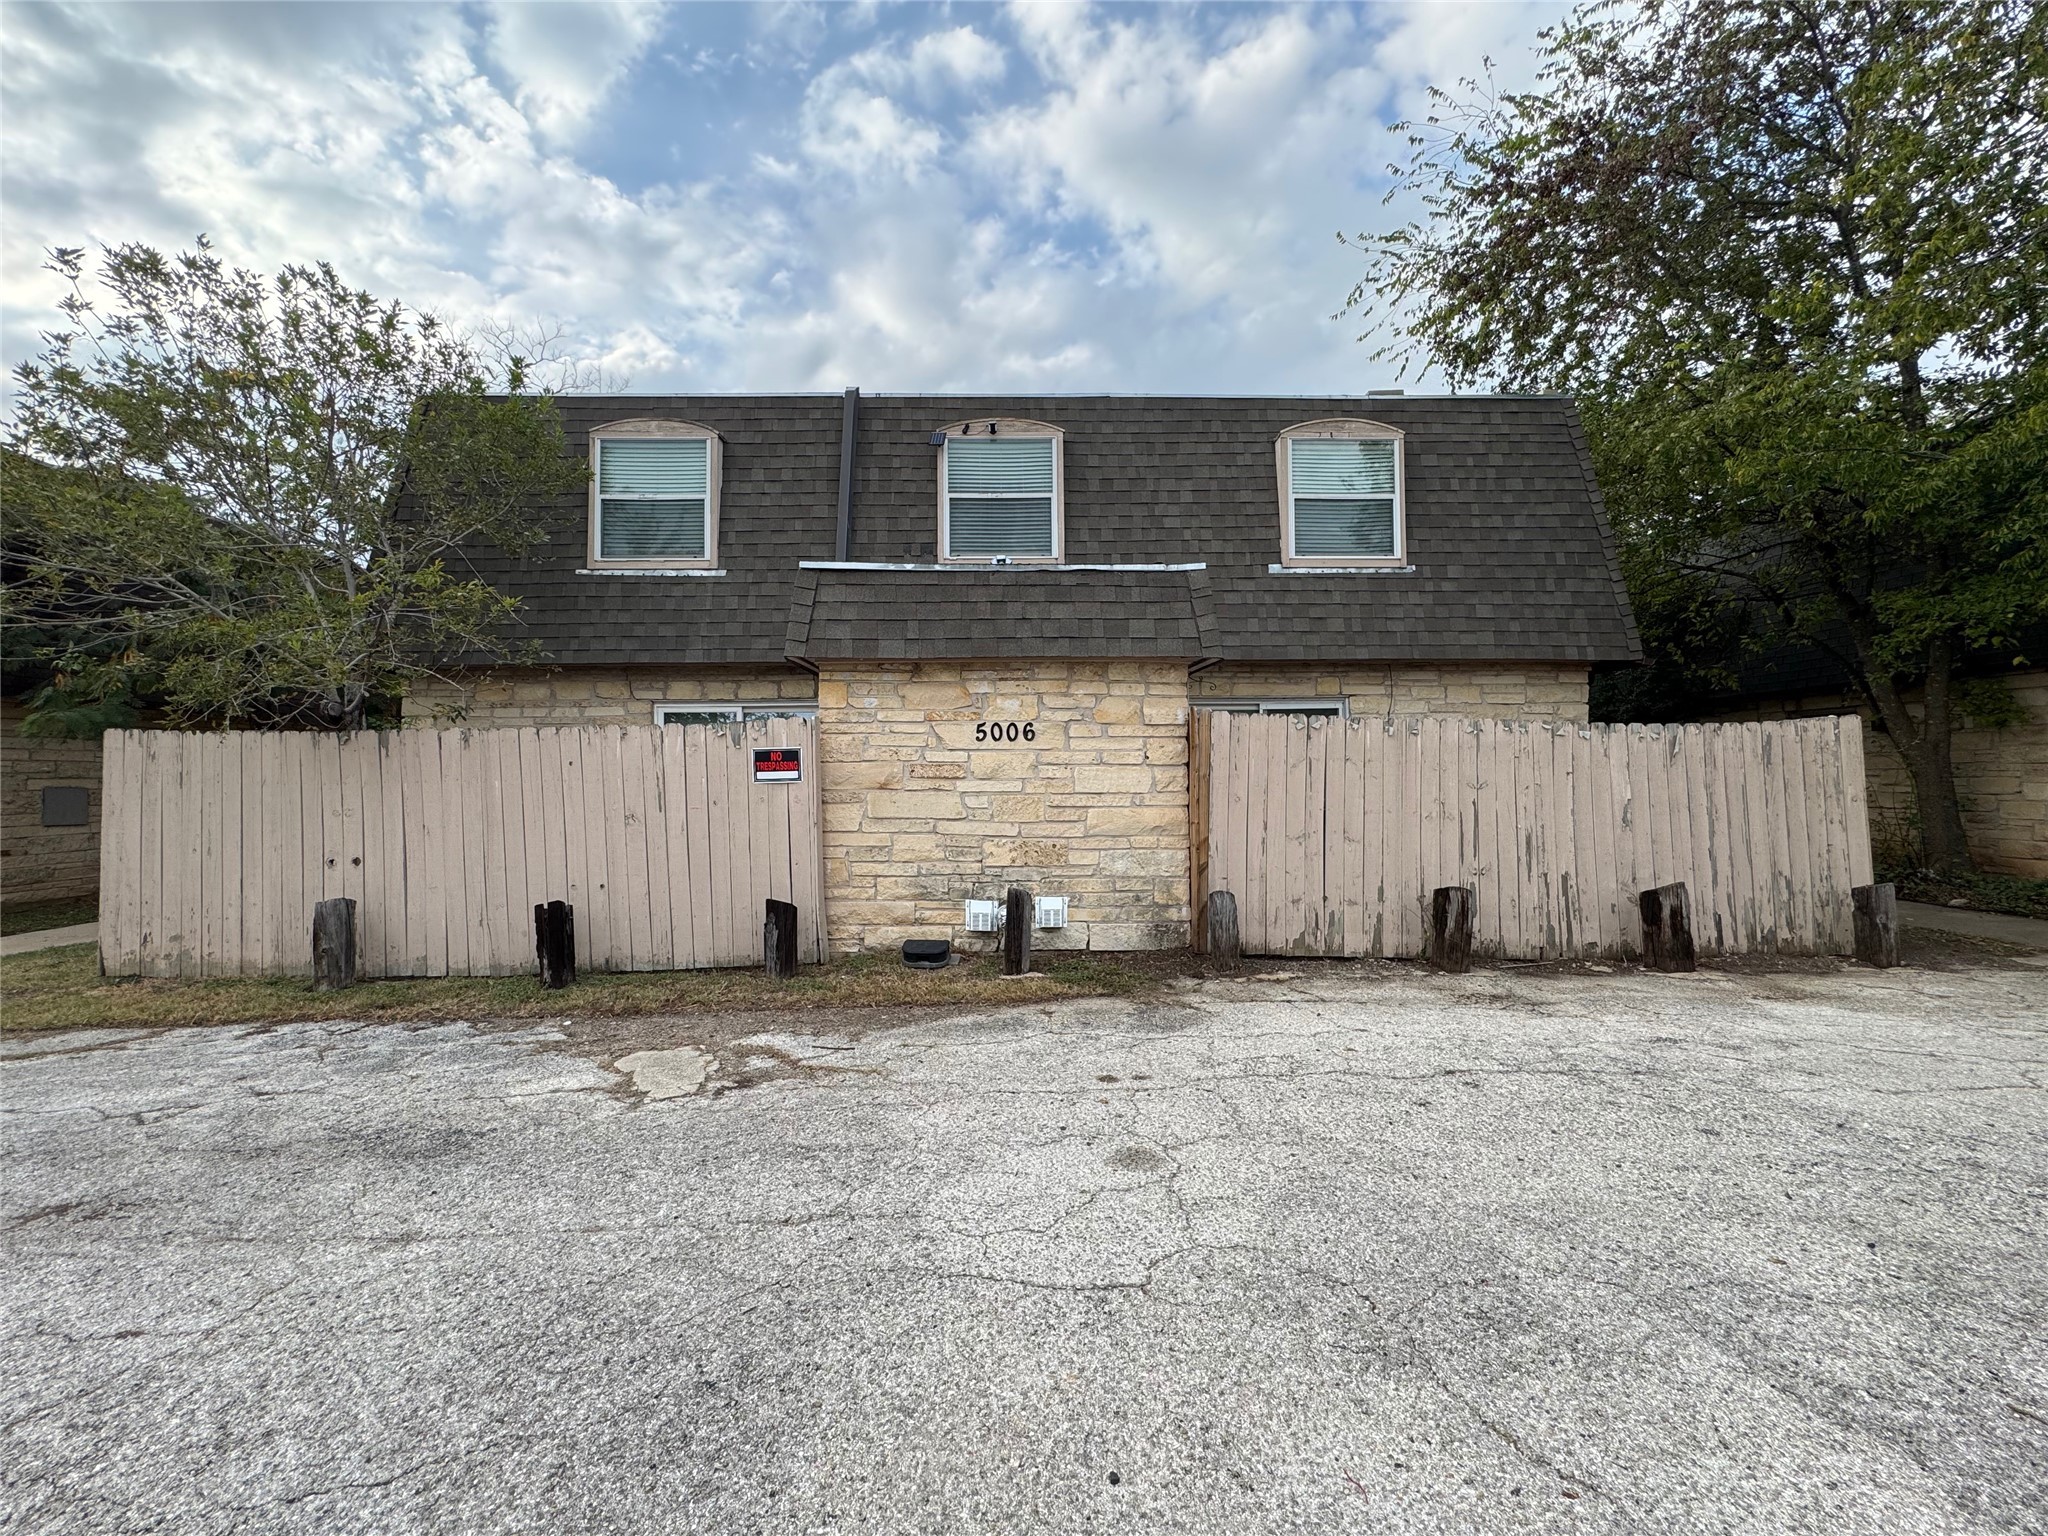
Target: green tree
(247,498)
(1792,256)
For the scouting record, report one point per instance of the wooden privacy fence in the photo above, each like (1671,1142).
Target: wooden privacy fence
(215,847)
(1332,834)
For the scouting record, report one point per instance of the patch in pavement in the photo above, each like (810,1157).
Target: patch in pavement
(1138,1160)
(676,1074)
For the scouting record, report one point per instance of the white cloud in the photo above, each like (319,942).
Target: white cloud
(852,119)
(382,145)
(1047,198)
(1198,162)
(563,58)
(961,56)
(851,126)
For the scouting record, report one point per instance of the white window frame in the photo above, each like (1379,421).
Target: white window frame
(642,430)
(1007,426)
(725,709)
(1353,430)
(1321,706)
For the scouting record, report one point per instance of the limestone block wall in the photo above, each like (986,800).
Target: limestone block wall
(2001,776)
(522,696)
(38,863)
(1524,690)
(1085,796)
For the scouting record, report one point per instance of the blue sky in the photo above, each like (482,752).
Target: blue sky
(787,196)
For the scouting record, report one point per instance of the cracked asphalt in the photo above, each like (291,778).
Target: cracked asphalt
(1505,1252)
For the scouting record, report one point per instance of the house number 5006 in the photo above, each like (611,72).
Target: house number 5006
(1006,731)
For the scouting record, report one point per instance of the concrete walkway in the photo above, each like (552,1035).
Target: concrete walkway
(2031,932)
(54,938)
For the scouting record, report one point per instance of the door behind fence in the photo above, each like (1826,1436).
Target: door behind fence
(665,838)
(1331,834)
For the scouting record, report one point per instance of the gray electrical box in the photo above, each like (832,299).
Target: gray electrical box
(66,805)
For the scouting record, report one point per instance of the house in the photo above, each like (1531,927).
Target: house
(1002,610)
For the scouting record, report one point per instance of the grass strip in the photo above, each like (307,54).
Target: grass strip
(62,989)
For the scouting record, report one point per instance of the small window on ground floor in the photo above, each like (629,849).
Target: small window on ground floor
(1275,706)
(711,714)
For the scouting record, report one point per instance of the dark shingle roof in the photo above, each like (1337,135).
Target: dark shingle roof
(778,505)
(1512,556)
(1012,611)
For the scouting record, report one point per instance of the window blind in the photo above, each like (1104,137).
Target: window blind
(999,496)
(999,525)
(653,466)
(1343,496)
(999,465)
(653,498)
(651,528)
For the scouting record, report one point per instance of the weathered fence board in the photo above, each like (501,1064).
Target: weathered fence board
(217,846)
(1332,834)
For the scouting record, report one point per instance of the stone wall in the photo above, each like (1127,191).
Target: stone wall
(1528,690)
(515,696)
(920,815)
(38,862)
(2001,777)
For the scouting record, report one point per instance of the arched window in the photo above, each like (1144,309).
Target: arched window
(1341,495)
(1001,496)
(653,495)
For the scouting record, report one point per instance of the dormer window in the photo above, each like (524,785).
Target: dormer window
(653,495)
(1341,495)
(999,491)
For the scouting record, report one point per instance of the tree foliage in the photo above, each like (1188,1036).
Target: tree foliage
(1792,255)
(248,498)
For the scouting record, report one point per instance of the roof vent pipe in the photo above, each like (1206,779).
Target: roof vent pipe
(849,426)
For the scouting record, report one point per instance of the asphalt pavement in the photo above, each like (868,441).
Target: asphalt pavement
(1367,1250)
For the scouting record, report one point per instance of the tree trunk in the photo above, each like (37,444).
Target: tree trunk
(1926,744)
(1943,842)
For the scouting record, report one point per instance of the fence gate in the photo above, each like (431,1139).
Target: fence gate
(1332,834)
(666,838)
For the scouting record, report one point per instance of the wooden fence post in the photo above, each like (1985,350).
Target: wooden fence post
(1220,925)
(1877,923)
(334,943)
(778,939)
(554,941)
(1198,824)
(1667,927)
(1450,928)
(1017,932)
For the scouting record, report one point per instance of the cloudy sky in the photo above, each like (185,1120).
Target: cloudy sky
(788,196)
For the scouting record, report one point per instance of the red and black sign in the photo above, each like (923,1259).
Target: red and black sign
(778,765)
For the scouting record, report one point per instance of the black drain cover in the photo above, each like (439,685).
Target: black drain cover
(927,954)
